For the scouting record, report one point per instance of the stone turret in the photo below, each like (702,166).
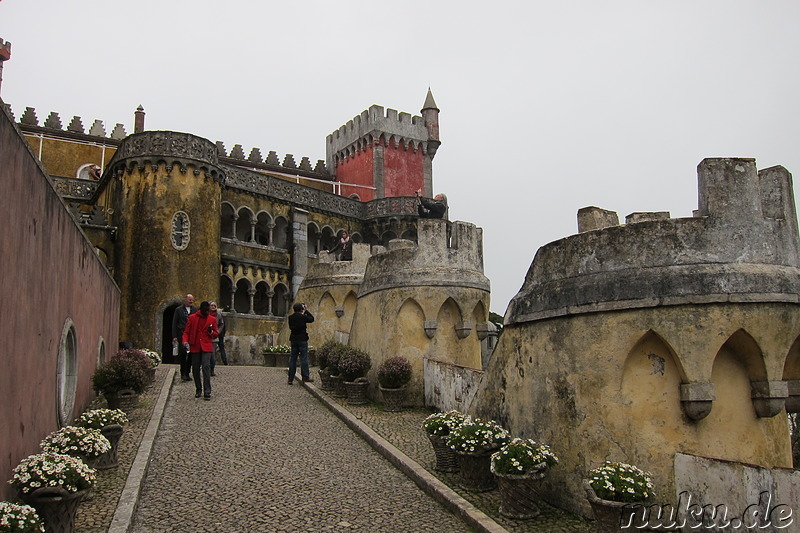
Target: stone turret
(635,342)
(431,115)
(428,302)
(171,184)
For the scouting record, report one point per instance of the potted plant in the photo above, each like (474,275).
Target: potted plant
(122,379)
(334,358)
(277,355)
(87,444)
(155,360)
(19,519)
(322,358)
(616,493)
(353,366)
(518,467)
(474,441)
(438,426)
(393,375)
(110,422)
(54,485)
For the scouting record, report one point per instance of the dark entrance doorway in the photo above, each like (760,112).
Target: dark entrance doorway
(166,336)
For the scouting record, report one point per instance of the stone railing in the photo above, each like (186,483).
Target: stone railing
(74,188)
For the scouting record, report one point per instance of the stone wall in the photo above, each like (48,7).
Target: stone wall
(763,497)
(634,342)
(449,386)
(54,289)
(423,301)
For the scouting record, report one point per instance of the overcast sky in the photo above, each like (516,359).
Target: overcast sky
(546,106)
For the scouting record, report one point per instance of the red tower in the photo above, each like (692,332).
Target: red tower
(380,154)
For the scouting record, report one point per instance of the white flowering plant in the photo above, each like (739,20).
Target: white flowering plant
(19,519)
(52,470)
(153,356)
(77,441)
(278,348)
(442,423)
(476,436)
(523,456)
(100,418)
(621,482)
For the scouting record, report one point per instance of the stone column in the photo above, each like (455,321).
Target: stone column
(299,247)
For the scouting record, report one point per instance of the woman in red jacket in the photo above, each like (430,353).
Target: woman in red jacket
(198,339)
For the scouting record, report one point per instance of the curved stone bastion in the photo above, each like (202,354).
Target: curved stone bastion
(661,336)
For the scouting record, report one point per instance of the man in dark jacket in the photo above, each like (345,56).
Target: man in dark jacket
(179,319)
(436,208)
(299,341)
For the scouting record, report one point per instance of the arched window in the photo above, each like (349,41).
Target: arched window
(225,293)
(261,299)
(387,236)
(241,300)
(101,352)
(280,234)
(328,239)
(313,239)
(244,225)
(89,171)
(67,373)
(279,301)
(227,221)
(263,227)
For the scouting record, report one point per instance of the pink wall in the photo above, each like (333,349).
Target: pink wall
(358,170)
(403,171)
(50,275)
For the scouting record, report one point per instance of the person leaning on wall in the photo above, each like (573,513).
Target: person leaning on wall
(345,244)
(436,208)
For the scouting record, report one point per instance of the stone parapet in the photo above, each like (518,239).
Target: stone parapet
(434,261)
(742,251)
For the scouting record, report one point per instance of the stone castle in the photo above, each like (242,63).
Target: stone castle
(668,343)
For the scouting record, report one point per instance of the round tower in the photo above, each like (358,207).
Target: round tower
(167,201)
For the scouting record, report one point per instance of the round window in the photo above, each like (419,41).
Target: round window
(67,373)
(180,230)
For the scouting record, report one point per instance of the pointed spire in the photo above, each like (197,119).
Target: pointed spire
(429,102)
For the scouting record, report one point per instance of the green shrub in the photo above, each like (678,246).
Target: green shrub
(354,364)
(335,356)
(324,352)
(394,372)
(127,369)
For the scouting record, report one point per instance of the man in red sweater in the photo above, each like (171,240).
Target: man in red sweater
(198,339)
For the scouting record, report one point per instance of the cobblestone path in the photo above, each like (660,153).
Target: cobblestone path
(264,456)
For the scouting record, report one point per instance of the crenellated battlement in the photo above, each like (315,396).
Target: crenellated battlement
(741,244)
(377,125)
(29,120)
(272,161)
(446,254)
